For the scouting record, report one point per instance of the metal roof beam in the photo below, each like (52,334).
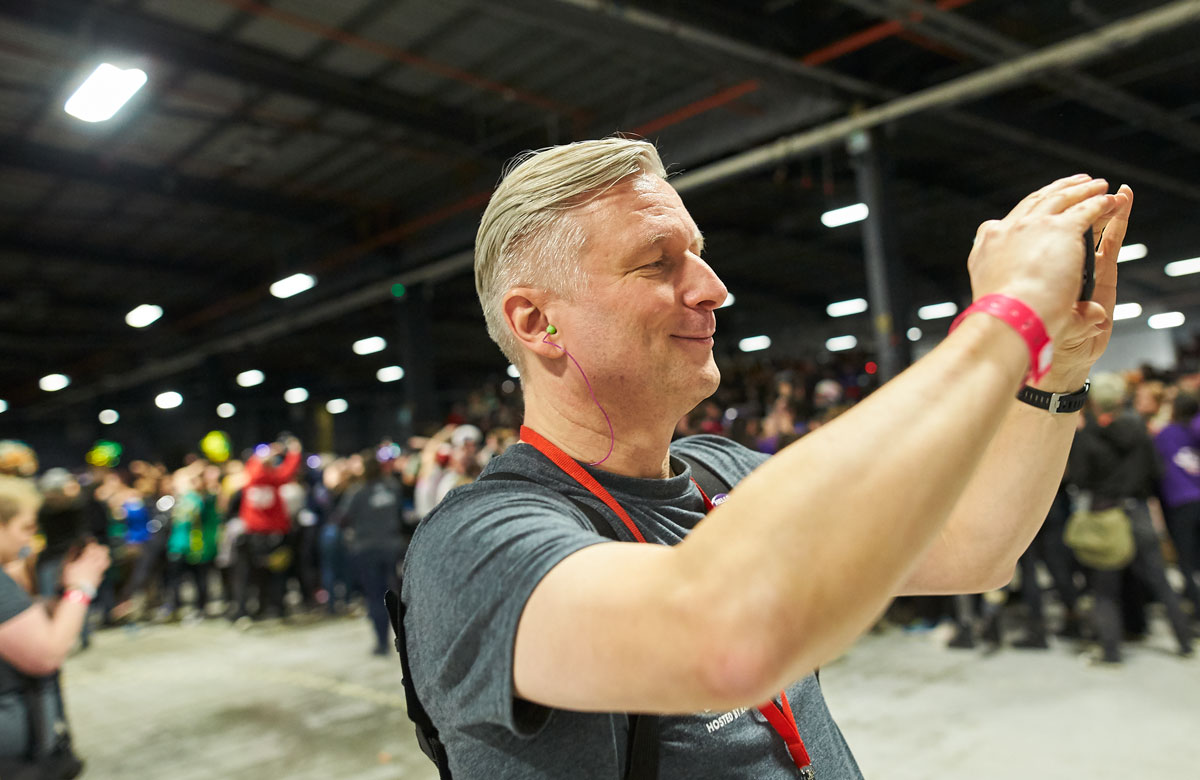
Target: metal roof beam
(963,34)
(57,161)
(46,256)
(125,28)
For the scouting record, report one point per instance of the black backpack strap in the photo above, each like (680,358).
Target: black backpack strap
(427,733)
(642,763)
(709,481)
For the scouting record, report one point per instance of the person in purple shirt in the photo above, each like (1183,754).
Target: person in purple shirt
(1179,445)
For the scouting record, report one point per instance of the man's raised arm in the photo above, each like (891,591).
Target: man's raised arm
(809,548)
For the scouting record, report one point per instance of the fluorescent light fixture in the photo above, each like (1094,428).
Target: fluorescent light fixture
(845,215)
(104,92)
(937,311)
(841,343)
(915,334)
(109,416)
(1131,252)
(336,405)
(1183,267)
(846,308)
(52,383)
(295,395)
(1126,311)
(168,400)
(390,374)
(513,371)
(143,315)
(226,410)
(729,299)
(1168,319)
(369,345)
(754,343)
(292,285)
(250,378)
(3,406)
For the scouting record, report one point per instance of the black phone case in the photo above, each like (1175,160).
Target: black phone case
(1089,266)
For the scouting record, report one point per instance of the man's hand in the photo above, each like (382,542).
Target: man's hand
(1035,254)
(1090,324)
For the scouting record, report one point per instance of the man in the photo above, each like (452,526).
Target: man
(531,636)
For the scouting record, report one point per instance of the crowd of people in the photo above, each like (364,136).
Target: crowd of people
(278,533)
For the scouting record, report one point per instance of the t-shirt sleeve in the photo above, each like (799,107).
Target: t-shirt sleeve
(470,569)
(13,598)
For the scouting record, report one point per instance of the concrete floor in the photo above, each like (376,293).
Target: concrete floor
(194,702)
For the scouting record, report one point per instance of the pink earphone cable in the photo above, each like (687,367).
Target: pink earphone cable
(612,439)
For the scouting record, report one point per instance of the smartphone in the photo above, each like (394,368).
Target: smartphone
(1089,266)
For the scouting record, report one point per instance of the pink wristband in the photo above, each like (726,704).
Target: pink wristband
(1025,322)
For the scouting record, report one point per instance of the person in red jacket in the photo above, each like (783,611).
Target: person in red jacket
(261,551)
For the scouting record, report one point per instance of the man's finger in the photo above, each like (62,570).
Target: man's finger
(1064,199)
(1083,214)
(1027,203)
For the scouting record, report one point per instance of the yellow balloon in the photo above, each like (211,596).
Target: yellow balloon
(215,446)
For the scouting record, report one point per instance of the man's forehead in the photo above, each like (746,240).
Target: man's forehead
(640,212)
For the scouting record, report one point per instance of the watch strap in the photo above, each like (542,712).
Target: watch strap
(1055,403)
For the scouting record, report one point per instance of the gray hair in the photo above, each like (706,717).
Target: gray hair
(1107,392)
(526,237)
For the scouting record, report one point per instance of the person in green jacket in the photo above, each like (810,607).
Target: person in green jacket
(192,544)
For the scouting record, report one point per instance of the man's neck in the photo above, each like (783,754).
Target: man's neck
(640,447)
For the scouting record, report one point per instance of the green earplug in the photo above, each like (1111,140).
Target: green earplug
(551,329)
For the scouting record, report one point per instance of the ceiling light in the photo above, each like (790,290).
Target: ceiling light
(729,299)
(369,346)
(226,410)
(295,395)
(143,315)
(250,378)
(846,308)
(915,334)
(1183,267)
(1131,252)
(292,285)
(390,374)
(109,416)
(1168,319)
(168,400)
(104,92)
(754,343)
(937,311)
(845,215)
(336,405)
(1126,311)
(3,406)
(514,372)
(841,343)
(52,383)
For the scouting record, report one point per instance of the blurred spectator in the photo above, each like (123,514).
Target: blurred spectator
(1179,445)
(34,738)
(370,515)
(1113,463)
(261,553)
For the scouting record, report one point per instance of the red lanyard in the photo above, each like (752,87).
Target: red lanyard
(780,717)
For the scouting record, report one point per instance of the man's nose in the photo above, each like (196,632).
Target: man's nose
(704,288)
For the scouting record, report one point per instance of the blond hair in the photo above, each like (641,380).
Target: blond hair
(17,494)
(1107,392)
(526,237)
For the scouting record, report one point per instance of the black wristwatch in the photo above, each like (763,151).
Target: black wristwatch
(1055,403)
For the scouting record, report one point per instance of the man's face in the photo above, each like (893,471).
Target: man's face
(643,326)
(17,533)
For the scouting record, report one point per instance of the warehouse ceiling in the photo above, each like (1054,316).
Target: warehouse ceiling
(357,141)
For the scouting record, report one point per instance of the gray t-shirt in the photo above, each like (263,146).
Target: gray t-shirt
(470,569)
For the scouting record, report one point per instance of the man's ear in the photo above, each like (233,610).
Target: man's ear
(524,311)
